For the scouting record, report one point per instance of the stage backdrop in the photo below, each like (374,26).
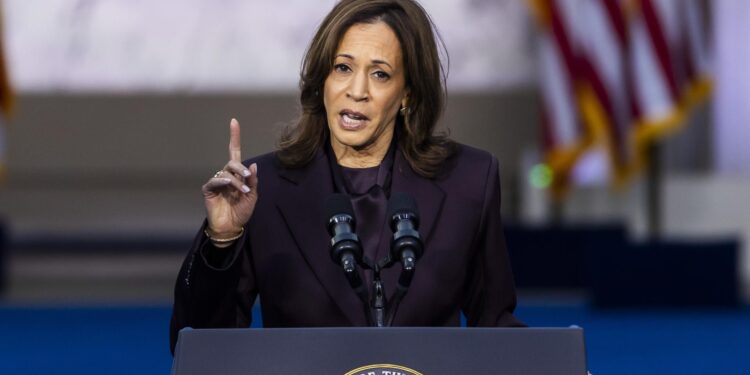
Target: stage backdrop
(231,45)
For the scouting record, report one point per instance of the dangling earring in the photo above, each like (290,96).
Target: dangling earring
(404,111)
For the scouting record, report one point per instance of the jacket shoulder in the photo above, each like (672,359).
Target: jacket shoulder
(469,154)
(471,163)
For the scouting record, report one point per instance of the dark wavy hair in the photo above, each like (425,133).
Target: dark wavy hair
(423,147)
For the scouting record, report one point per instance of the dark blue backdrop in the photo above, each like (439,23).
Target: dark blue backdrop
(134,340)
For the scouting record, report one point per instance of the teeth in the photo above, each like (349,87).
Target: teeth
(351,120)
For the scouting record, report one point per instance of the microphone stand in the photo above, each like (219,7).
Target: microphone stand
(383,310)
(375,307)
(404,281)
(359,288)
(378,299)
(378,311)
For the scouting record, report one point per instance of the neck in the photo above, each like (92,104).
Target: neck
(372,156)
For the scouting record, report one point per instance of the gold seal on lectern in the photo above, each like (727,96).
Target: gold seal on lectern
(383,369)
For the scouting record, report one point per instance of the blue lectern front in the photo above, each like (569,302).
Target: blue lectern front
(381,351)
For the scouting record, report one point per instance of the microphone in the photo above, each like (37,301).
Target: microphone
(406,245)
(346,249)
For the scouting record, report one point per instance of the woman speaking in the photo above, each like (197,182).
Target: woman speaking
(372,90)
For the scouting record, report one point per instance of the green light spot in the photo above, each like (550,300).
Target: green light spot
(541,176)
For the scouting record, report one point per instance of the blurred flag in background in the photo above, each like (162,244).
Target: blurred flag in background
(616,75)
(564,136)
(669,44)
(7,100)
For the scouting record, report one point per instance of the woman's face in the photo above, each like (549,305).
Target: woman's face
(365,89)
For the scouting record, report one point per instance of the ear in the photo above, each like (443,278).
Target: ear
(405,100)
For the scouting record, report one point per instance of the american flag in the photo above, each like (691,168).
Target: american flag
(7,99)
(617,74)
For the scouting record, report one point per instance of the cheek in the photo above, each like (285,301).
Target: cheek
(393,106)
(331,94)
(326,94)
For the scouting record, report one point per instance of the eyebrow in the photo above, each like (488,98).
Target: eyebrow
(377,62)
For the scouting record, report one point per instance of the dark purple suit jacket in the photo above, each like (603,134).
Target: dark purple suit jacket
(284,255)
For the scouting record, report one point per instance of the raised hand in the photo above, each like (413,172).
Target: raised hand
(230,195)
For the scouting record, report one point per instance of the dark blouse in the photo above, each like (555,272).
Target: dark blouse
(368,198)
(369,189)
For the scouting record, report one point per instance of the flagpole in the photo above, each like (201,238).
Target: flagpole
(556,212)
(654,182)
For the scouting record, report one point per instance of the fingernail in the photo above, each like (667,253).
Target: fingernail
(246,173)
(245,188)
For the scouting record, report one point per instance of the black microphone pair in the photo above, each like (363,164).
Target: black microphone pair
(403,217)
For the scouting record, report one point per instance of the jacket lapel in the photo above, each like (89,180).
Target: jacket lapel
(429,197)
(426,192)
(301,206)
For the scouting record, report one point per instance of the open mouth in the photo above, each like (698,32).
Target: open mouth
(352,120)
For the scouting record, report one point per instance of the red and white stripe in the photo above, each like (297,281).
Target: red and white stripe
(654,31)
(604,42)
(564,135)
(617,72)
(670,65)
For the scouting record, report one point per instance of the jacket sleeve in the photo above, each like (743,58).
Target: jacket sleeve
(215,288)
(490,291)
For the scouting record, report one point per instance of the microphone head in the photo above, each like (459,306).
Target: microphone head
(338,205)
(402,205)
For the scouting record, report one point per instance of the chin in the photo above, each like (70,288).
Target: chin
(351,140)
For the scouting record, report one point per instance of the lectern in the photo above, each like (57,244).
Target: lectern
(381,351)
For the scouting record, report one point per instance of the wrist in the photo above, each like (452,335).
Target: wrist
(223,239)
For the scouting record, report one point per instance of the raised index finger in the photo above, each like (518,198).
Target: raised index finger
(235,151)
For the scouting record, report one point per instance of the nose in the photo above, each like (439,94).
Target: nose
(358,89)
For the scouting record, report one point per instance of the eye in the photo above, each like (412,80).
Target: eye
(381,75)
(342,68)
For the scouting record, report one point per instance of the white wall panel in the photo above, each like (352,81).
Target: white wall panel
(732,106)
(229,45)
